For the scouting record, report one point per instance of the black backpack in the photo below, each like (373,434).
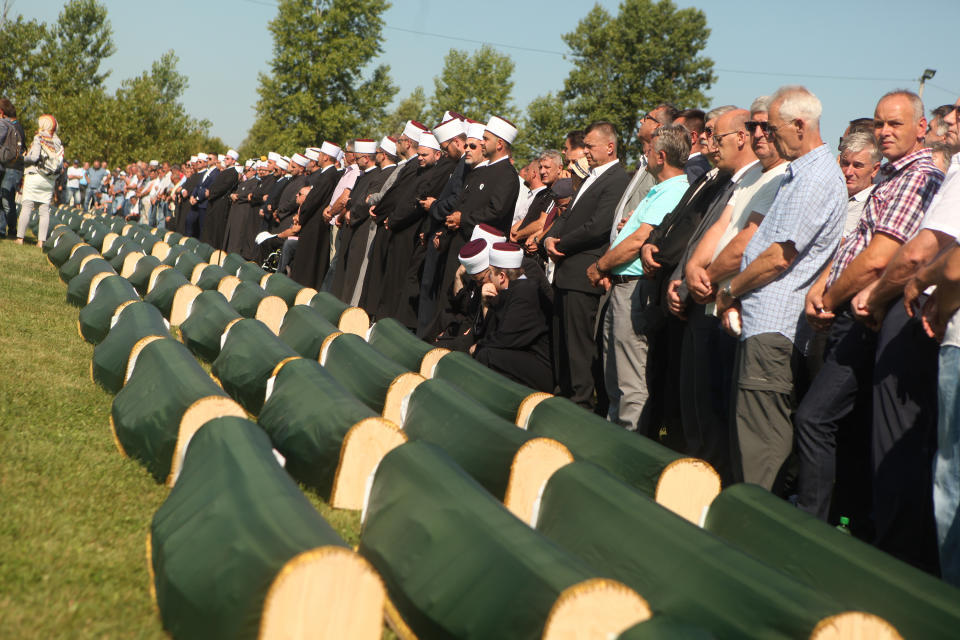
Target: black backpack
(11,149)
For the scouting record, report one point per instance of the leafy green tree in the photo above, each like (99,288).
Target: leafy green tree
(20,64)
(544,126)
(77,44)
(316,88)
(413,107)
(626,64)
(477,85)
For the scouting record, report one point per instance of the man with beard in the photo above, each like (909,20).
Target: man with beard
(218,200)
(313,246)
(242,222)
(364,156)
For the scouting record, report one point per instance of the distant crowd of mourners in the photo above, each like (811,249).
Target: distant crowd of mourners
(748,295)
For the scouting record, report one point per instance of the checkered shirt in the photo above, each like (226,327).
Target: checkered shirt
(808,211)
(895,208)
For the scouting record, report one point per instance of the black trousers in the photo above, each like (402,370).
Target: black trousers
(905,440)
(705,387)
(833,410)
(574,343)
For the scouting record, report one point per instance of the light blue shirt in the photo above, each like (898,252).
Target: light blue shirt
(809,211)
(659,201)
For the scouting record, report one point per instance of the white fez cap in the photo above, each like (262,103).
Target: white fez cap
(341,155)
(448,129)
(506,255)
(313,154)
(502,129)
(413,129)
(220,157)
(193,159)
(248,163)
(488,233)
(389,145)
(300,159)
(475,130)
(365,146)
(429,141)
(332,150)
(273,155)
(283,164)
(475,256)
(154,163)
(202,157)
(233,154)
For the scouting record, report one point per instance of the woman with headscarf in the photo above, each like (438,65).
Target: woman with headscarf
(43,163)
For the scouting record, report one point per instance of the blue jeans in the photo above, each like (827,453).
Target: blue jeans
(8,202)
(157,215)
(90,196)
(73,196)
(946,466)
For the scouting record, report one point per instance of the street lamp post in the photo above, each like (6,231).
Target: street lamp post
(927,75)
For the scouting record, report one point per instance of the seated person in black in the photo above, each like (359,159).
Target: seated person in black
(513,338)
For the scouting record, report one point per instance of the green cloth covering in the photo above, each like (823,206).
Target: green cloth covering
(115,246)
(210,277)
(140,278)
(329,305)
(250,272)
(174,238)
(78,289)
(116,223)
(135,321)
(482,443)
(494,391)
(246,298)
(96,235)
(682,570)
(59,252)
(186,262)
(96,315)
(661,627)
(175,252)
(307,417)
(209,316)
(247,360)
(283,287)
(229,525)
(125,248)
(204,251)
(364,371)
(634,459)
(146,413)
(842,567)
(395,341)
(232,263)
(161,296)
(304,329)
(147,241)
(190,244)
(71,267)
(55,232)
(456,563)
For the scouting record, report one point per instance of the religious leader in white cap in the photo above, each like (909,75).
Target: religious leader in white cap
(215,224)
(514,339)
(313,246)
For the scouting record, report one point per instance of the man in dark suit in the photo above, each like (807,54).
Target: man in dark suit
(576,241)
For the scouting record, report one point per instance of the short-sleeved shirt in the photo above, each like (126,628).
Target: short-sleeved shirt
(73,177)
(943,214)
(662,198)
(95,177)
(808,212)
(895,207)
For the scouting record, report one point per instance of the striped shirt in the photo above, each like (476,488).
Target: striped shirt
(895,207)
(808,212)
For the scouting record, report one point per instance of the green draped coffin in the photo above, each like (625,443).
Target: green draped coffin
(494,391)
(840,566)
(78,289)
(395,341)
(363,370)
(349,319)
(172,294)
(71,267)
(305,330)
(684,571)
(459,565)
(237,551)
(136,321)
(166,398)
(108,294)
(209,315)
(247,359)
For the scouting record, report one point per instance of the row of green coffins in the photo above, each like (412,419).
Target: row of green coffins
(690,576)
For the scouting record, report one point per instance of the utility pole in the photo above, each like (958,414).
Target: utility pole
(927,75)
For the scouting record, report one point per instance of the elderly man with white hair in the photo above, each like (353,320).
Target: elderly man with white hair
(764,303)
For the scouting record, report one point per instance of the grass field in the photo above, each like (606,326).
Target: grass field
(74,513)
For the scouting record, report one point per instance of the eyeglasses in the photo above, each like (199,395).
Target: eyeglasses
(717,137)
(751,126)
(647,116)
(472,145)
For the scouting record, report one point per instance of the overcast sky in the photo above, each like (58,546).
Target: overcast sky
(843,51)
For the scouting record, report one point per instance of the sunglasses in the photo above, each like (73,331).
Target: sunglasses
(752,125)
(472,145)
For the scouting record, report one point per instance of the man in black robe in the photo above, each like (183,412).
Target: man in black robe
(218,201)
(243,223)
(182,196)
(281,218)
(313,245)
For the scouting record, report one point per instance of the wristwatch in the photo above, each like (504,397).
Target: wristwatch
(726,292)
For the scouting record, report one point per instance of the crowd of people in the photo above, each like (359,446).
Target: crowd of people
(747,295)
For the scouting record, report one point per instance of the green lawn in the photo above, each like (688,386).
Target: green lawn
(74,513)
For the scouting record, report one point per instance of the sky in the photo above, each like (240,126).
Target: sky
(848,52)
